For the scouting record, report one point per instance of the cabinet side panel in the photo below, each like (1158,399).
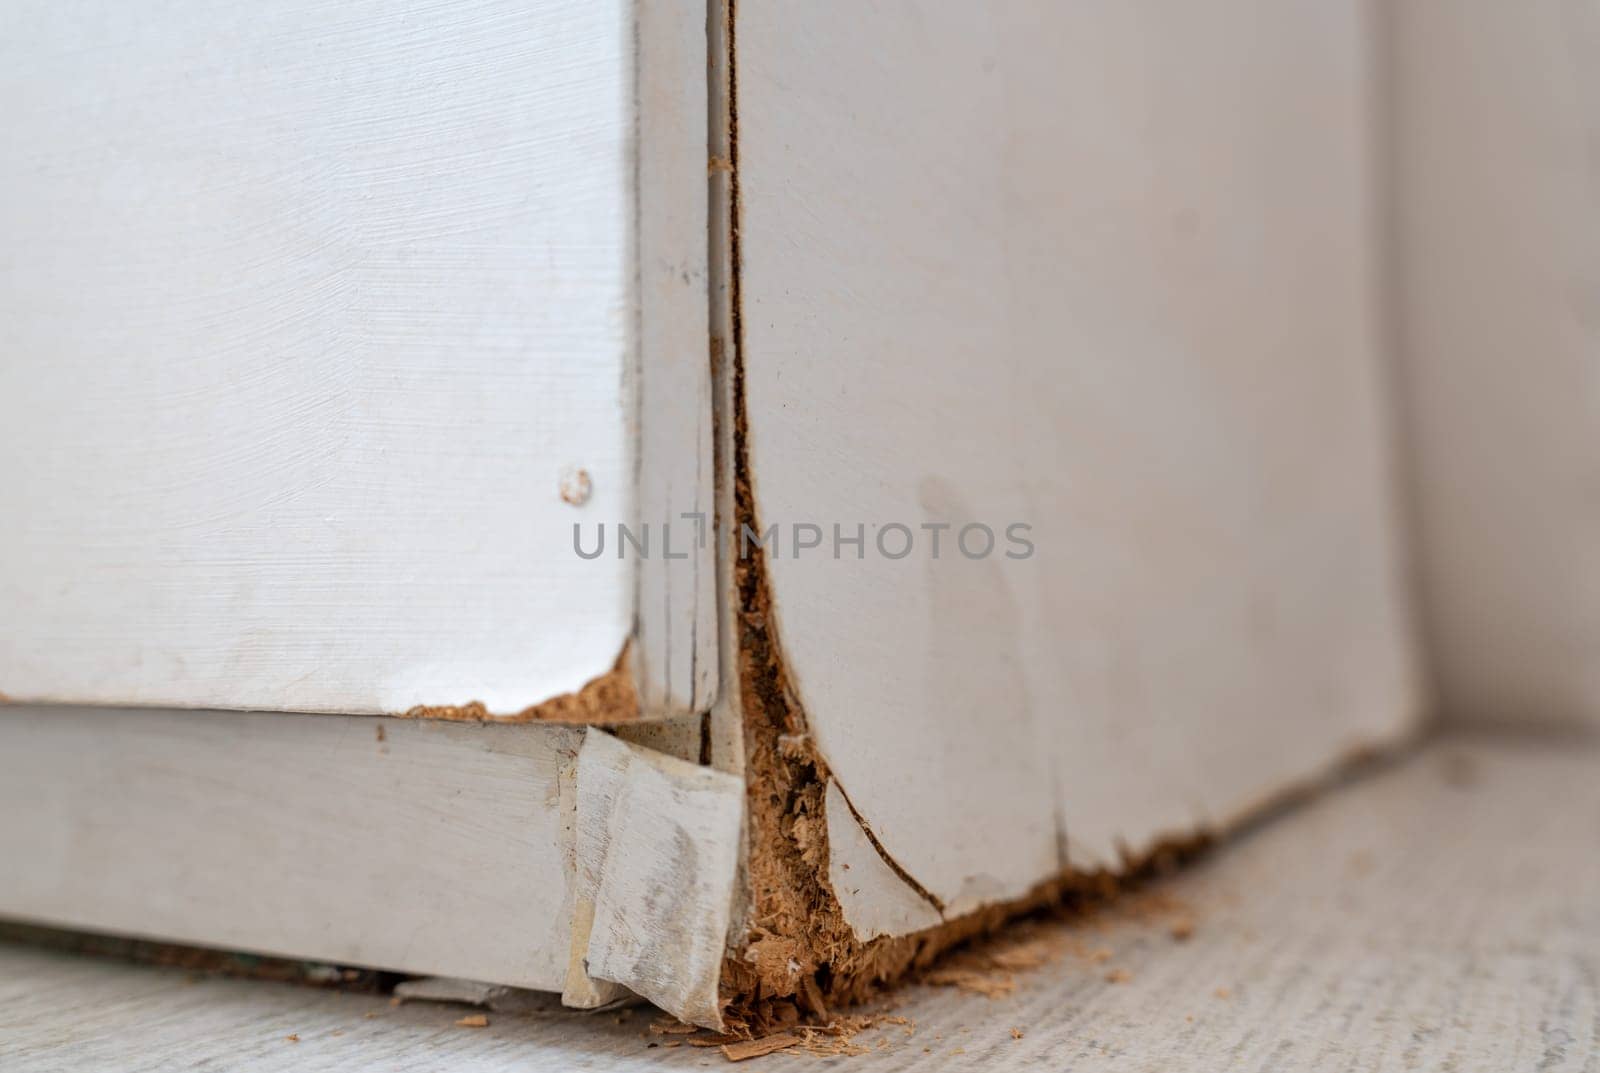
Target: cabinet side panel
(314,333)
(1105,271)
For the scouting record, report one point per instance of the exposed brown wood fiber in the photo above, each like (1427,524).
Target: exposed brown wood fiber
(610,698)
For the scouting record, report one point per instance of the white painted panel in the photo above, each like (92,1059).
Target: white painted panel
(1497,123)
(1106,269)
(873,899)
(308,316)
(657,854)
(433,848)
(677,596)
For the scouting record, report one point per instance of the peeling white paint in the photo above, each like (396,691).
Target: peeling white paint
(317,309)
(579,990)
(657,853)
(874,900)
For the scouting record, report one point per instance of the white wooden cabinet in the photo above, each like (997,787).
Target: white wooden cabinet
(321,333)
(1045,349)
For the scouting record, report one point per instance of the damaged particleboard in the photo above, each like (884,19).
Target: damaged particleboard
(1008,733)
(657,855)
(611,698)
(1221,626)
(1215,605)
(799,957)
(792,955)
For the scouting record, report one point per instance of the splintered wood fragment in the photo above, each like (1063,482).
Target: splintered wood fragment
(674,1028)
(449,989)
(650,822)
(755,1048)
(1182,928)
(716,1039)
(473,1020)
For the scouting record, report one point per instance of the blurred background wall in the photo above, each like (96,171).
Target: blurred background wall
(1493,127)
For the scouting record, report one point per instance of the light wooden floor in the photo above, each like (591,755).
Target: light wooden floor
(1443,913)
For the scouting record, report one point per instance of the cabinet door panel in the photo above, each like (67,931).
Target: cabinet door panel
(320,330)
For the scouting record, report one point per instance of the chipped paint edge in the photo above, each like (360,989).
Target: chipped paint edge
(657,848)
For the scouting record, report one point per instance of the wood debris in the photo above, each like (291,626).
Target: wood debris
(838,1037)
(755,1048)
(991,984)
(811,995)
(832,1040)
(716,1039)
(673,1028)
(452,990)
(473,1020)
